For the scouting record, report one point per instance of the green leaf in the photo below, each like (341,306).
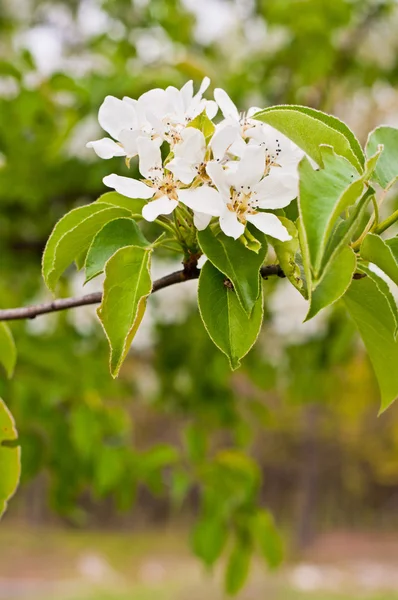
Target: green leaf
(208,538)
(114,235)
(72,235)
(238,567)
(323,195)
(267,536)
(126,288)
(386,171)
(10,457)
(385,290)
(334,282)
(371,312)
(239,264)
(378,252)
(348,229)
(392,243)
(204,124)
(8,351)
(310,128)
(228,325)
(134,205)
(287,255)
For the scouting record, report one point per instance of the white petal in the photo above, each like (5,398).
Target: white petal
(200,220)
(277,190)
(230,225)
(106,148)
(155,101)
(270,225)
(204,199)
(211,108)
(128,187)
(223,139)
(203,86)
(161,206)
(150,164)
(186,93)
(115,115)
(176,103)
(219,178)
(253,110)
(192,147)
(129,140)
(182,169)
(226,105)
(250,168)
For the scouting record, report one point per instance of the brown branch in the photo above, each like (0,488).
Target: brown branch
(192,272)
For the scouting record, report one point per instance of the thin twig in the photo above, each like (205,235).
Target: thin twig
(30,312)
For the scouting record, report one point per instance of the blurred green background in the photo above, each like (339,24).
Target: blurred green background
(123,481)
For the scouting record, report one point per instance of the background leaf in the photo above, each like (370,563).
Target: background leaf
(267,537)
(8,351)
(126,288)
(238,566)
(10,457)
(223,316)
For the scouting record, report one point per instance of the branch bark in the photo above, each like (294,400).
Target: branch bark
(30,312)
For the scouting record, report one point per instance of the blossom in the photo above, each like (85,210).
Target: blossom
(244,191)
(163,190)
(238,129)
(157,114)
(189,156)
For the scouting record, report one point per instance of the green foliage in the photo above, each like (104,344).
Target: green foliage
(370,309)
(378,252)
(311,129)
(238,566)
(134,205)
(10,457)
(230,328)
(114,235)
(8,351)
(240,265)
(203,123)
(324,194)
(289,257)
(126,288)
(72,235)
(268,539)
(386,172)
(334,282)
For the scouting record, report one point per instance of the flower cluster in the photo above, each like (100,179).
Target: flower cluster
(236,171)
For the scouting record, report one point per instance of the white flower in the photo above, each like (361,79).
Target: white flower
(232,134)
(125,123)
(156,114)
(182,107)
(163,189)
(189,156)
(244,190)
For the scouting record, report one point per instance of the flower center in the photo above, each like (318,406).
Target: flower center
(166,186)
(243,202)
(172,132)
